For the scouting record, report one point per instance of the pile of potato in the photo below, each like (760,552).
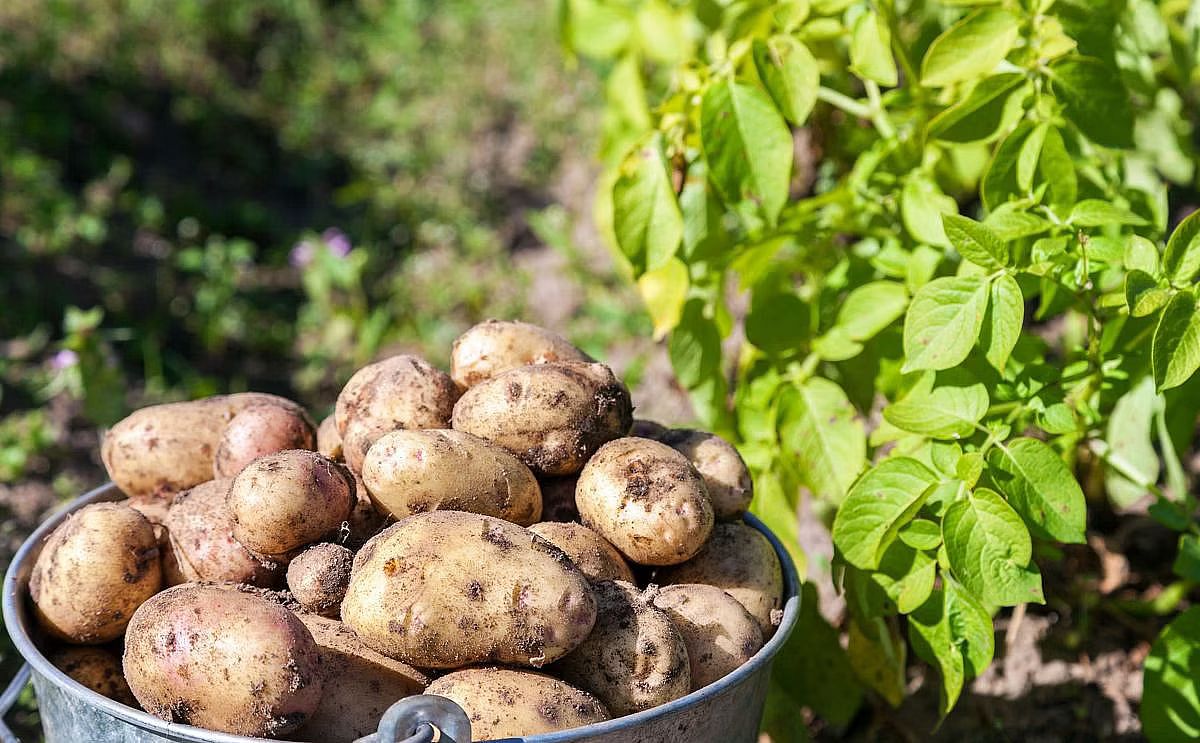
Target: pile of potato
(506,536)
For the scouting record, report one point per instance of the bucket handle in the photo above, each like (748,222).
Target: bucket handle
(422,718)
(9,698)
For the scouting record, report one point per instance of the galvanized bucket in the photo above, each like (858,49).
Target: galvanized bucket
(727,710)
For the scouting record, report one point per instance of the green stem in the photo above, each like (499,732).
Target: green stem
(844,102)
(879,115)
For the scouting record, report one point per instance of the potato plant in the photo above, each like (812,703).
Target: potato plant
(922,260)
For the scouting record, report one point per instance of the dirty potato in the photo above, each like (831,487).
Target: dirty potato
(646,499)
(719,633)
(289,499)
(446,589)
(360,684)
(595,557)
(98,667)
(725,474)
(329,439)
(409,472)
(201,545)
(553,417)
(260,430)
(318,577)
(163,449)
(739,560)
(404,391)
(634,659)
(222,659)
(511,703)
(495,346)
(95,569)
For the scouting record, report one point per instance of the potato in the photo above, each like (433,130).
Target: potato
(224,660)
(647,499)
(725,475)
(153,508)
(553,417)
(495,346)
(318,577)
(289,499)
(446,589)
(97,667)
(645,429)
(596,558)
(402,391)
(719,633)
(510,703)
(95,569)
(409,472)
(360,684)
(201,545)
(163,449)
(739,560)
(364,522)
(260,430)
(634,659)
(558,498)
(329,439)
(361,434)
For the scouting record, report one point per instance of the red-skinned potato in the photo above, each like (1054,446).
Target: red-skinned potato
(95,569)
(260,430)
(495,346)
(161,450)
(201,545)
(223,659)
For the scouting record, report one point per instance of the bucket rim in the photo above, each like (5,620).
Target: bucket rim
(16,623)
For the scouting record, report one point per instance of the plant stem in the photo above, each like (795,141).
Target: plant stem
(844,102)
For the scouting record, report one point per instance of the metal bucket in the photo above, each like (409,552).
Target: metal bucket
(724,711)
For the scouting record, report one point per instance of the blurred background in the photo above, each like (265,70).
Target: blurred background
(211,195)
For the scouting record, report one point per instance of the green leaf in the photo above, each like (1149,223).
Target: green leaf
(870,308)
(990,550)
(1175,349)
(814,669)
(877,655)
(819,426)
(949,410)
(975,242)
(776,506)
(747,145)
(1094,100)
(1057,419)
(1129,441)
(905,575)
(664,291)
(1012,222)
(943,322)
(1100,213)
(1187,559)
(1143,295)
(646,216)
(922,206)
(882,501)
(970,48)
(1000,179)
(1141,255)
(695,346)
(790,74)
(1181,261)
(991,105)
(778,322)
(1003,322)
(1041,488)
(871,50)
(1058,171)
(953,632)
(836,345)
(1170,708)
(921,534)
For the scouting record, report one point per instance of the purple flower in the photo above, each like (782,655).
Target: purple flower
(64,359)
(302,254)
(337,242)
